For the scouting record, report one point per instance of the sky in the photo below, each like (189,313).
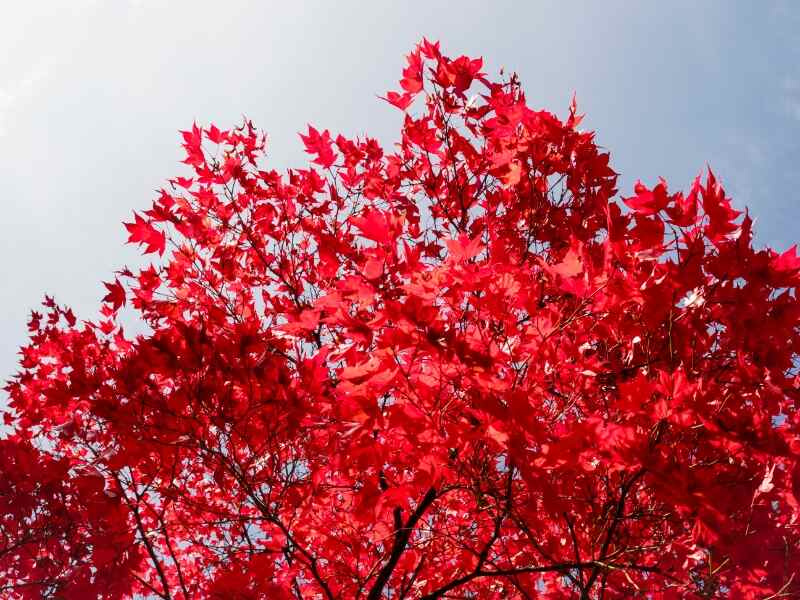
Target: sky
(93,93)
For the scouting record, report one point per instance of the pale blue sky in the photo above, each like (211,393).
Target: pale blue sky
(92,93)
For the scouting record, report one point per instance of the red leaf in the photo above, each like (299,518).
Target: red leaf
(142,232)
(648,202)
(321,145)
(412,74)
(401,101)
(116,294)
(373,226)
(788,262)
(373,269)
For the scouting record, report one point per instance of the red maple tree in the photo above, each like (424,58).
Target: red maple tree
(461,369)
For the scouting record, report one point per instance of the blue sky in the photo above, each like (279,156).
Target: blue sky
(92,94)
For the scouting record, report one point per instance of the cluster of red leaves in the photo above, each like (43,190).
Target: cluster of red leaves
(57,527)
(460,369)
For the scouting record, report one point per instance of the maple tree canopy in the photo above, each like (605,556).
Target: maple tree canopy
(459,369)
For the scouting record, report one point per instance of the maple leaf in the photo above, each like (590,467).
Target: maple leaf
(373,226)
(463,248)
(412,75)
(574,118)
(567,271)
(142,232)
(373,269)
(401,101)
(215,135)
(718,209)
(648,202)
(321,145)
(788,262)
(116,294)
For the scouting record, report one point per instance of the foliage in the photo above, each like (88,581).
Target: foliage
(459,369)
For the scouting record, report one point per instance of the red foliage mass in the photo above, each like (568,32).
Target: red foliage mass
(459,369)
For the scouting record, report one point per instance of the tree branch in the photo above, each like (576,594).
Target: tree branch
(401,538)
